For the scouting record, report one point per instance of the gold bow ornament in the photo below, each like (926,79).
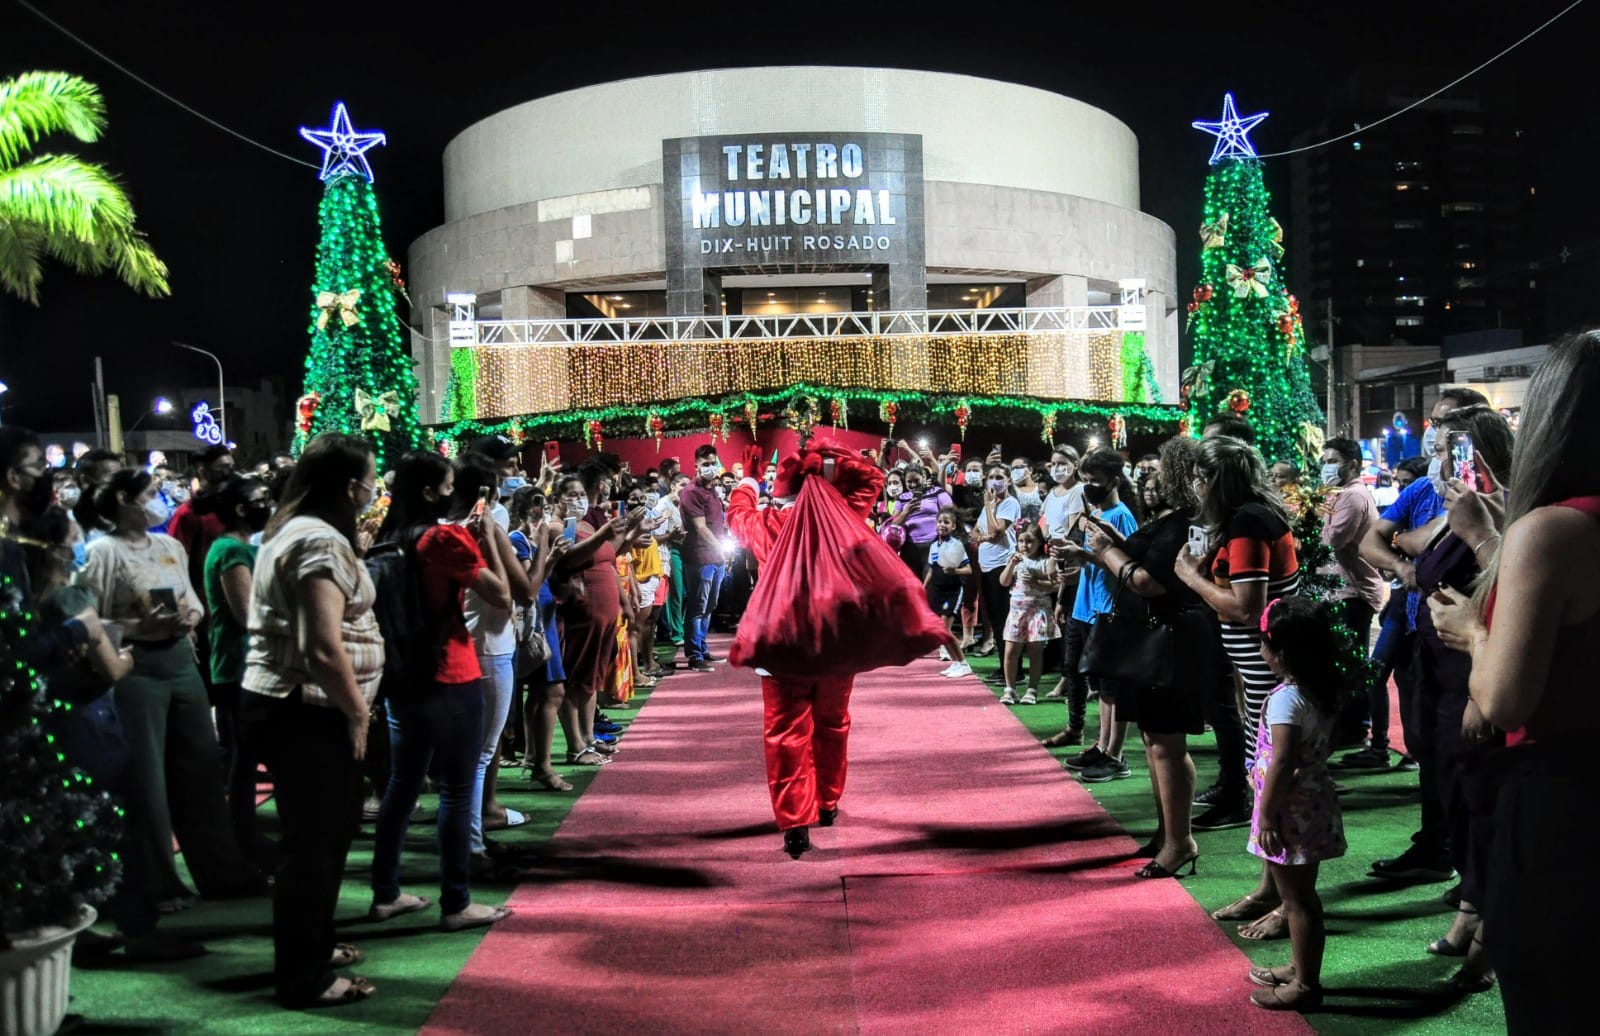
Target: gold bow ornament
(375,411)
(1277,238)
(1215,235)
(1248,280)
(344,304)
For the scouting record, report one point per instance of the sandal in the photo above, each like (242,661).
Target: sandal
(1272,976)
(587,757)
(1289,996)
(1066,737)
(603,748)
(354,988)
(513,818)
(345,955)
(549,781)
(405,903)
(1245,908)
(1273,926)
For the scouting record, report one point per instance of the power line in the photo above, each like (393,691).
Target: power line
(1455,82)
(157,90)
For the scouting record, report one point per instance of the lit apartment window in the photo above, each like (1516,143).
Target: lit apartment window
(1360,263)
(1408,322)
(1466,264)
(1456,207)
(1469,282)
(1410,300)
(1408,224)
(1467,130)
(1401,167)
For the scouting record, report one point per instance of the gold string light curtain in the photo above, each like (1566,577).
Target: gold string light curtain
(541,379)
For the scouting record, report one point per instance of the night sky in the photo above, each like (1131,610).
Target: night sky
(237,226)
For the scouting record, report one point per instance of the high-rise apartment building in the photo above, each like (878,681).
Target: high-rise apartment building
(1421,227)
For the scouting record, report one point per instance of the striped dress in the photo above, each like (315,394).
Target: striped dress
(1257,547)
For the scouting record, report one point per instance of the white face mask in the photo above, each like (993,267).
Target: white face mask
(708,471)
(155,512)
(1060,473)
(1429,437)
(1330,475)
(69,496)
(1019,474)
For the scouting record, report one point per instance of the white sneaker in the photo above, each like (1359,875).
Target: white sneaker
(944,654)
(956,670)
(1030,698)
(1008,698)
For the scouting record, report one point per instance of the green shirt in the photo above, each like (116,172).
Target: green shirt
(228,636)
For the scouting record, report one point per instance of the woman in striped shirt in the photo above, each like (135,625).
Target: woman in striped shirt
(1251,561)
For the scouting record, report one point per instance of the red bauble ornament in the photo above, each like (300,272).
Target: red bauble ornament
(1203,293)
(1239,401)
(1192,307)
(306,407)
(963,415)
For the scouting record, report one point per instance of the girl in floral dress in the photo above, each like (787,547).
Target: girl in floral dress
(1033,579)
(1296,824)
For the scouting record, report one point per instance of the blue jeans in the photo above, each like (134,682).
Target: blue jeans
(1391,640)
(445,722)
(703,585)
(498,683)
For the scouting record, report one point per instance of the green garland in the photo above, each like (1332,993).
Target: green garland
(861,404)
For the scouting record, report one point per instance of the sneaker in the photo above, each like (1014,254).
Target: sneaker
(607,727)
(700,665)
(1110,770)
(944,654)
(1222,816)
(1030,698)
(1406,764)
(956,670)
(1415,864)
(1092,756)
(1210,797)
(1009,697)
(1369,758)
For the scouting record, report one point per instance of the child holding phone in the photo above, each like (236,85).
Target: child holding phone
(1296,823)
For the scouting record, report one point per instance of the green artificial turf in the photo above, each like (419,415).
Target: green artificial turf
(412,963)
(1377,976)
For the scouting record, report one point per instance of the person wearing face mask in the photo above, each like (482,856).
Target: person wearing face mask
(918,513)
(140,580)
(1062,506)
(996,536)
(1349,514)
(312,671)
(705,570)
(506,457)
(1399,535)
(244,508)
(1030,495)
(194,526)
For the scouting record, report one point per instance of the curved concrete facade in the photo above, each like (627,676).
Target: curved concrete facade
(567,191)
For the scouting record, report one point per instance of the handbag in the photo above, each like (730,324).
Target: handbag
(1131,643)
(533,648)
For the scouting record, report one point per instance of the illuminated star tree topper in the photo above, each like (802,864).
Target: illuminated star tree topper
(344,149)
(1232,132)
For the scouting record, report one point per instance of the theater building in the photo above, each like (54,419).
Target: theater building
(682,243)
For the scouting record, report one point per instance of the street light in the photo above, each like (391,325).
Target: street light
(162,408)
(221,411)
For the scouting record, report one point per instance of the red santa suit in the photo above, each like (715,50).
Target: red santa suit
(831,601)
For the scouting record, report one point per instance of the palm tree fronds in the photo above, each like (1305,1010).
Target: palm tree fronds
(65,195)
(20,270)
(35,104)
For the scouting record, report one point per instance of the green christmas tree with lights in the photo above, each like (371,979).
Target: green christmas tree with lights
(359,376)
(1245,326)
(58,832)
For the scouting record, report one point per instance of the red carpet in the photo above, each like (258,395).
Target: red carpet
(970,885)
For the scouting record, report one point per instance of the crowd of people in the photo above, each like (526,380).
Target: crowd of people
(209,626)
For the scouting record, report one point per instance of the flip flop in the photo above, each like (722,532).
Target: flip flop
(513,819)
(356,988)
(345,955)
(1280,930)
(1245,908)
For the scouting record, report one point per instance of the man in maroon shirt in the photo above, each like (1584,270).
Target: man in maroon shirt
(704,563)
(197,532)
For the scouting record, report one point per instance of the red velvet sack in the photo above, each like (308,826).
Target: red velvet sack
(832,599)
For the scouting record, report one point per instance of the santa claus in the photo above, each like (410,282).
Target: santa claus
(831,600)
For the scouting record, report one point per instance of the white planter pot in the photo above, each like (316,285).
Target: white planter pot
(34,975)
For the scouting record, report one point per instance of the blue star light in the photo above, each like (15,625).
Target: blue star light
(1231,132)
(343,149)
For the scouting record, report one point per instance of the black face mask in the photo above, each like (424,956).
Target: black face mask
(256,516)
(1095,495)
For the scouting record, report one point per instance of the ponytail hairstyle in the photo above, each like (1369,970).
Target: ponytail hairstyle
(97,507)
(1107,464)
(1311,647)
